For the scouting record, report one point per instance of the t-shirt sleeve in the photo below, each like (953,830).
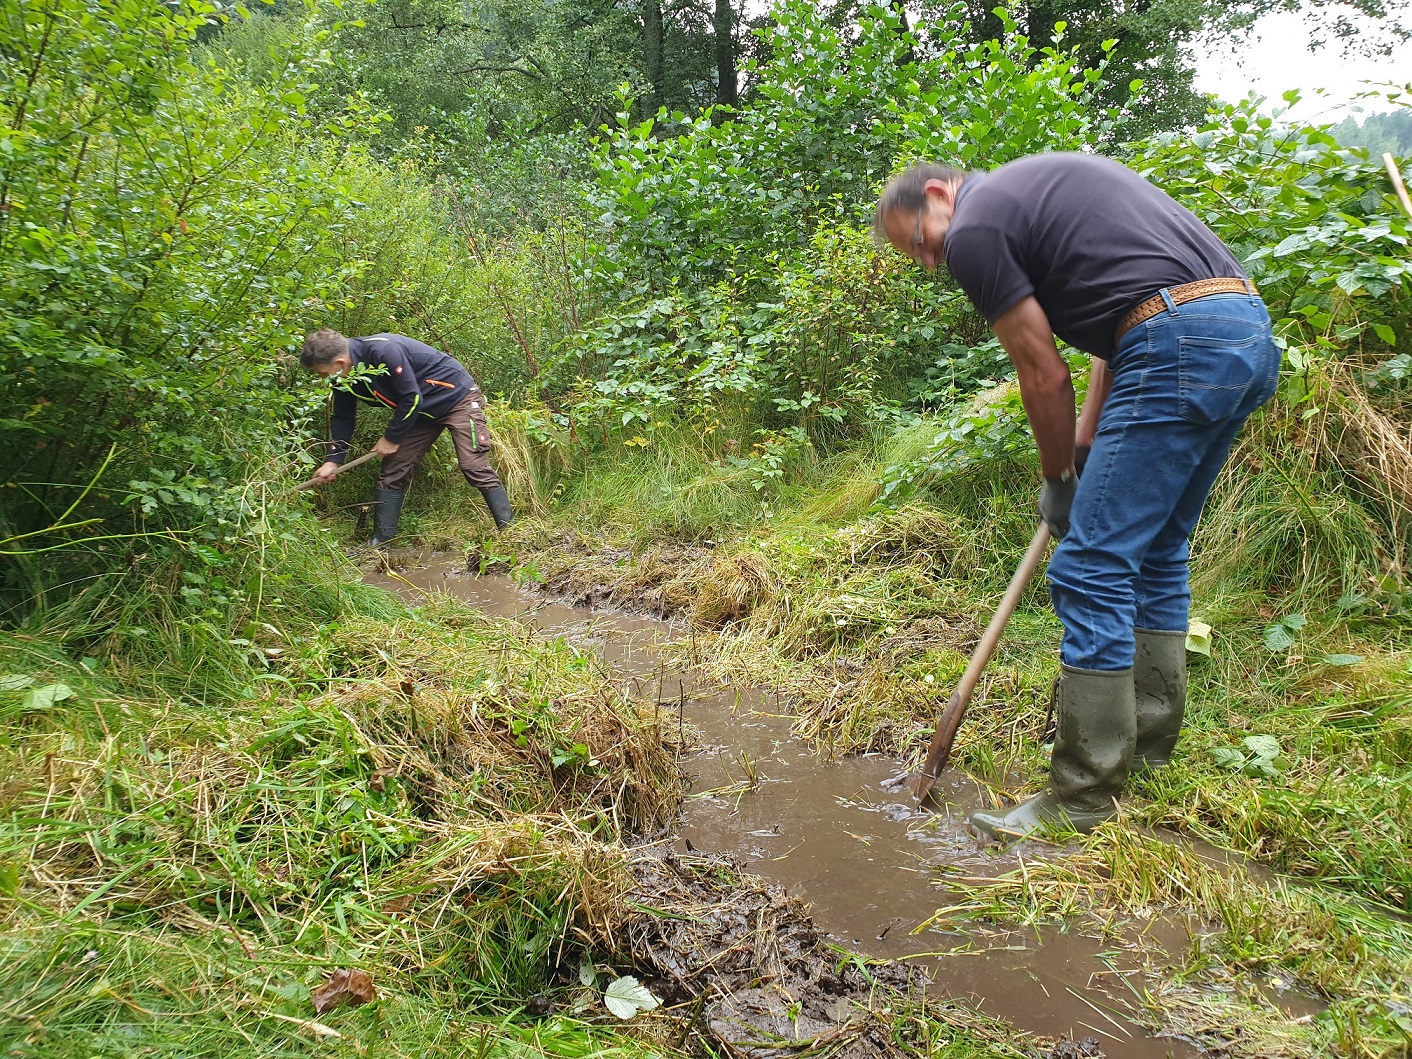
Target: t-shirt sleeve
(983,261)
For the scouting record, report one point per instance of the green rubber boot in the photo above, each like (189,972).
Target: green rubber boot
(1159,682)
(1093,750)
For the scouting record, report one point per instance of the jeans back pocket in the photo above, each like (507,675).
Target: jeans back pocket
(1214,376)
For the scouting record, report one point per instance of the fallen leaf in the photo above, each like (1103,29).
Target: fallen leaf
(378,780)
(626,996)
(47,696)
(1198,638)
(344,986)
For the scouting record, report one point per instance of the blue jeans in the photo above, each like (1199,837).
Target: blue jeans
(1183,384)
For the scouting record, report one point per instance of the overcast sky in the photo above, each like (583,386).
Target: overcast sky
(1276,59)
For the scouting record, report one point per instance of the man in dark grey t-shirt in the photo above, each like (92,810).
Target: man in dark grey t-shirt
(1082,248)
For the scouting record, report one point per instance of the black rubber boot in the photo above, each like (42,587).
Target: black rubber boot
(387,516)
(1093,750)
(499,504)
(1159,682)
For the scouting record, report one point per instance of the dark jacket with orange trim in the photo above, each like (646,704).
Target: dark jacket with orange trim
(397,372)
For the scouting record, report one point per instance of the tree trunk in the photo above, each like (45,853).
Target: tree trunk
(910,55)
(652,53)
(727,83)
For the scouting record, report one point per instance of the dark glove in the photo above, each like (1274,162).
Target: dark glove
(1080,458)
(1055,500)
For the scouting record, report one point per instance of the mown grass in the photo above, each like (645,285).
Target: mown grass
(191,840)
(230,801)
(866,617)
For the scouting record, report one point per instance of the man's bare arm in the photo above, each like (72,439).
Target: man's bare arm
(1045,386)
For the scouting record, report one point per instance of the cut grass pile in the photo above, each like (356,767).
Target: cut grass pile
(426,796)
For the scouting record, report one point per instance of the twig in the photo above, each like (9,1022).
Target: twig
(1390,163)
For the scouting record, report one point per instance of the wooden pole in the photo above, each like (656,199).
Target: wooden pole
(1390,163)
(940,750)
(346,467)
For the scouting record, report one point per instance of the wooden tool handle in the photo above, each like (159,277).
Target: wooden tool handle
(950,723)
(346,467)
(1390,164)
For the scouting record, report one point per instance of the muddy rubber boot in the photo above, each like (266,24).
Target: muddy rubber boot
(387,516)
(1159,682)
(1093,750)
(499,504)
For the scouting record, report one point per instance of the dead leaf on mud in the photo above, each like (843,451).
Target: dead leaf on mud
(344,986)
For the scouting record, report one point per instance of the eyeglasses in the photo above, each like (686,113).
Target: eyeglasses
(917,231)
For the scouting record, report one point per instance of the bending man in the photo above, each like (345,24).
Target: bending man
(428,392)
(1081,247)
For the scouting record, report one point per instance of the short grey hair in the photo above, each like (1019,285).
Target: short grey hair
(908,191)
(324,346)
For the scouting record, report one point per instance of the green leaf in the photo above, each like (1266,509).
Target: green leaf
(1278,638)
(1351,600)
(1228,757)
(1264,747)
(1386,333)
(1342,660)
(15,681)
(46,696)
(626,996)
(1198,638)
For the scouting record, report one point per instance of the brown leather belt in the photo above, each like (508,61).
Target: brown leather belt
(1180,295)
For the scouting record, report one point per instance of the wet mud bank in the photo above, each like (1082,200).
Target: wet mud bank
(790,864)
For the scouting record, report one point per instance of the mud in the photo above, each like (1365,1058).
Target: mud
(843,859)
(767,982)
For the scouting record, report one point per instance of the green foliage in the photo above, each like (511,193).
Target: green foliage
(827,349)
(155,251)
(757,290)
(1156,43)
(1261,757)
(692,200)
(1314,221)
(420,265)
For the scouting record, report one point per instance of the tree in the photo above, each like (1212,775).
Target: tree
(727,82)
(1156,39)
(159,229)
(652,52)
(1390,132)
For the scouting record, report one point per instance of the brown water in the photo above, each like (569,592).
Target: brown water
(846,837)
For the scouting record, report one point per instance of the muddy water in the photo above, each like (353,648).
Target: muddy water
(846,837)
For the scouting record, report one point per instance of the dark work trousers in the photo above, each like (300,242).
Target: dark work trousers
(471,436)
